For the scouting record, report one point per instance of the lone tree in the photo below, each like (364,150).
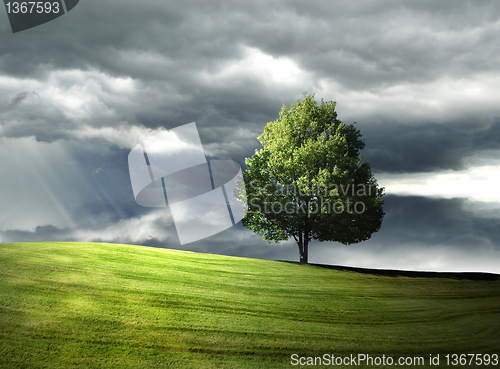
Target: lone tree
(308,181)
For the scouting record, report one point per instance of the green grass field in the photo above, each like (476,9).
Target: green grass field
(86,305)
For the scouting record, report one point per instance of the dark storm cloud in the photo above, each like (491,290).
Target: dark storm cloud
(364,45)
(20,97)
(424,148)
(455,222)
(40,234)
(27,114)
(173,51)
(111,197)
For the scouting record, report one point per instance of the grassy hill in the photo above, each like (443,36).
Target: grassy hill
(80,305)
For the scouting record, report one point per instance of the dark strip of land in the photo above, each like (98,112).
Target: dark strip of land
(475,276)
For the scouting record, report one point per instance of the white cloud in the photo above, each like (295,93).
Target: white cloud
(137,230)
(273,72)
(477,184)
(75,104)
(444,99)
(124,137)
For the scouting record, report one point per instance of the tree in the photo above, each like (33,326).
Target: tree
(308,181)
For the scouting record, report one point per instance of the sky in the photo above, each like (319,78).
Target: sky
(421,80)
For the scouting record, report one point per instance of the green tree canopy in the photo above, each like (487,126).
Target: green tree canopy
(308,181)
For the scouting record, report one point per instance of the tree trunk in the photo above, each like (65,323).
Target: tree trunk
(304,253)
(303,243)
(304,238)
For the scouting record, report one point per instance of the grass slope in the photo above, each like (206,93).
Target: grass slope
(76,305)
